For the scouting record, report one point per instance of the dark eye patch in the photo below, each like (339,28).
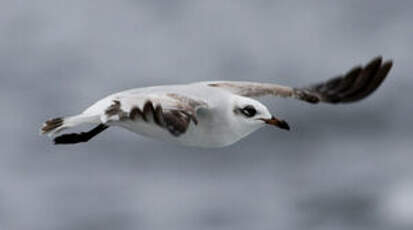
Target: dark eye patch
(249,111)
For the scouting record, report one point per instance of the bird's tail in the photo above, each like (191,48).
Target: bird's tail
(54,126)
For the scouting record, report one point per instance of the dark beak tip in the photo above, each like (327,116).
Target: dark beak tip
(284,125)
(276,122)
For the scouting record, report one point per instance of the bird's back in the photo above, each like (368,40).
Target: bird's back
(212,122)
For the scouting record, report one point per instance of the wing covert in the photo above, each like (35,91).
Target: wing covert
(173,112)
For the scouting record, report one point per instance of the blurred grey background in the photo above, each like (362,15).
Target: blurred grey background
(341,167)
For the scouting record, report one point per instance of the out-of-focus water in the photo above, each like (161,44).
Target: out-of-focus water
(340,167)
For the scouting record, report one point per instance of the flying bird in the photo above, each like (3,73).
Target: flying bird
(213,113)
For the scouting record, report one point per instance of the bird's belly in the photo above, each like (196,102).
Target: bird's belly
(196,135)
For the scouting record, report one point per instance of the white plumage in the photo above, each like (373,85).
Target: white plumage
(209,114)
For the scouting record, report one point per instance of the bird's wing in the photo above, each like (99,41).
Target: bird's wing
(171,111)
(353,86)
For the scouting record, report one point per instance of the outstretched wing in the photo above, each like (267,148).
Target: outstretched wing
(356,84)
(171,111)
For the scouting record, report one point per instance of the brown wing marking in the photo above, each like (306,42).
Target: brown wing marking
(176,121)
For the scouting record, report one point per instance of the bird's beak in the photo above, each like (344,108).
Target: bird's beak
(276,122)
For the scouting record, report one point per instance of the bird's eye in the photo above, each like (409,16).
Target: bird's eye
(249,111)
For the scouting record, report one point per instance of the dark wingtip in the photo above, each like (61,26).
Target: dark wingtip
(374,64)
(376,61)
(388,64)
(378,58)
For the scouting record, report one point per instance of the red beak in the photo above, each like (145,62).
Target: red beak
(276,122)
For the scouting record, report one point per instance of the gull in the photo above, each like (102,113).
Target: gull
(213,113)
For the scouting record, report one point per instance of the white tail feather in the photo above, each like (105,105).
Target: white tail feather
(56,125)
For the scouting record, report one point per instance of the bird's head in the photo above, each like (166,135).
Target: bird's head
(251,115)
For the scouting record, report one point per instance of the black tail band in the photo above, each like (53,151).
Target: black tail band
(73,138)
